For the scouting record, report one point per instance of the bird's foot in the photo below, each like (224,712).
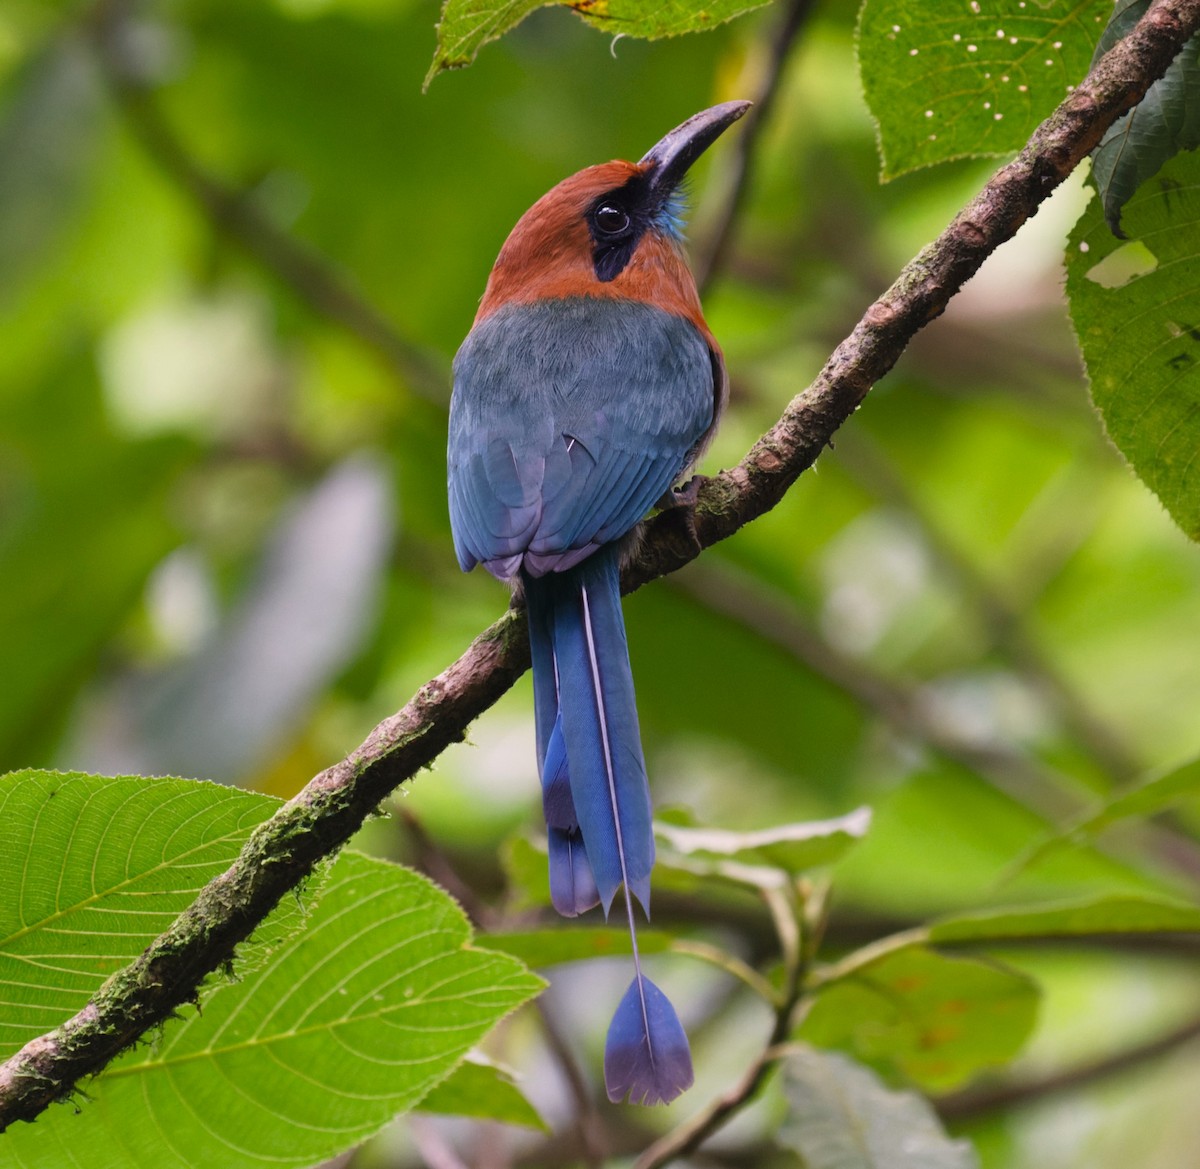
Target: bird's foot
(680,503)
(688,495)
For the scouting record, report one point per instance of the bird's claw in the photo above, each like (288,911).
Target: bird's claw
(680,503)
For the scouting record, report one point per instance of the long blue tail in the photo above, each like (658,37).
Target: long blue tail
(597,801)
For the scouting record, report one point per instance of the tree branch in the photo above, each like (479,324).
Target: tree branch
(282,852)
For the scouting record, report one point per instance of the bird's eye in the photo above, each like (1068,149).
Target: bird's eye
(610,219)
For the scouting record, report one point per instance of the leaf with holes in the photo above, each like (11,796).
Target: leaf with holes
(467,25)
(94,868)
(840,1116)
(936,1018)
(963,78)
(1164,122)
(1136,311)
(351,1020)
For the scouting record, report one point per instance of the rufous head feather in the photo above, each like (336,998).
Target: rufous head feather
(611,230)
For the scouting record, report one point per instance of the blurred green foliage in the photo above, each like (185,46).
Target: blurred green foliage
(238,247)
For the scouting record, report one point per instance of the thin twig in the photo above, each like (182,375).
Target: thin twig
(589,1124)
(723,960)
(710,255)
(694,1132)
(281,853)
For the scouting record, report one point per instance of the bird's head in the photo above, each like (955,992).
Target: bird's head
(611,230)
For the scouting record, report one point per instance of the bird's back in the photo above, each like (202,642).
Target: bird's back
(571,417)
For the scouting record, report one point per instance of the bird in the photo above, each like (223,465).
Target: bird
(588,385)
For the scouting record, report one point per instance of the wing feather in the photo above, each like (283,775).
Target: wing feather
(570,419)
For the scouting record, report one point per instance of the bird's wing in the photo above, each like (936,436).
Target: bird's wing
(570,419)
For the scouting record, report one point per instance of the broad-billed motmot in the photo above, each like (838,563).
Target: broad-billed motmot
(588,385)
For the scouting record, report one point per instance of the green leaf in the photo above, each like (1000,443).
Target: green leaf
(794,848)
(686,874)
(840,1116)
(1164,122)
(1145,798)
(1106,915)
(576,944)
(948,79)
(467,25)
(526,872)
(1139,330)
(690,854)
(93,869)
(1150,796)
(351,1020)
(938,1019)
(975,831)
(485,1090)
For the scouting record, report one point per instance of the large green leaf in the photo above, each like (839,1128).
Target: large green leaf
(351,1020)
(841,1117)
(949,79)
(1136,310)
(1164,122)
(935,1018)
(93,869)
(467,25)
